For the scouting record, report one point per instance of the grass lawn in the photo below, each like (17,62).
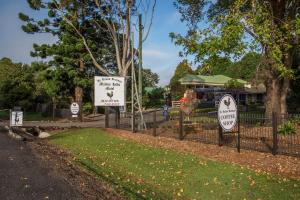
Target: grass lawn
(28,116)
(143,172)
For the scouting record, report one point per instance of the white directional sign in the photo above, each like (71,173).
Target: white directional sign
(16,118)
(227,112)
(109,91)
(74,108)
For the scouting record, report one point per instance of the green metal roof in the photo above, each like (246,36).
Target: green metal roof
(215,80)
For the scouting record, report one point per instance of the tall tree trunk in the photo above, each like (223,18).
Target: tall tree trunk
(53,108)
(277,90)
(79,91)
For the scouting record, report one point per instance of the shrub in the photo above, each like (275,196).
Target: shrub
(287,128)
(87,107)
(296,119)
(204,110)
(174,112)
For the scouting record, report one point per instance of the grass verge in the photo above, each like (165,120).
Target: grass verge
(142,172)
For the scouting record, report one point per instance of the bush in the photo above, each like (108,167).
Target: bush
(287,128)
(204,110)
(87,107)
(174,112)
(296,119)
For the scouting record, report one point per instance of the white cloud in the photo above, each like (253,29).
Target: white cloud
(156,54)
(162,62)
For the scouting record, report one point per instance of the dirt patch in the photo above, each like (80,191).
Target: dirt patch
(62,163)
(285,166)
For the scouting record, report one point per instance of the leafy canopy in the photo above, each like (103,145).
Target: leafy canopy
(237,26)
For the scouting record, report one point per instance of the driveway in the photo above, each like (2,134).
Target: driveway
(23,176)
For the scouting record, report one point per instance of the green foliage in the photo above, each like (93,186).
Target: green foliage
(87,107)
(150,79)
(245,68)
(287,128)
(177,90)
(214,66)
(235,27)
(174,112)
(138,171)
(69,63)
(17,87)
(154,98)
(234,84)
(204,110)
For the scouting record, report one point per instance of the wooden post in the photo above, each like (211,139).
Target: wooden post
(154,123)
(274,128)
(106,117)
(220,138)
(238,118)
(116,117)
(180,125)
(239,135)
(133,121)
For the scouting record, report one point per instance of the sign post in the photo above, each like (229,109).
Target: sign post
(110,91)
(16,118)
(228,117)
(74,108)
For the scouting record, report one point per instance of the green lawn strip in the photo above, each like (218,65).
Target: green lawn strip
(35,116)
(141,171)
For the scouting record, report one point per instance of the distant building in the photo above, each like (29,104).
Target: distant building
(209,89)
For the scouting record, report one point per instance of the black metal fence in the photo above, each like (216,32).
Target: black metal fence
(276,134)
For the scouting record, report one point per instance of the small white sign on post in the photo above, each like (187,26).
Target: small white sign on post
(74,108)
(16,118)
(227,112)
(109,91)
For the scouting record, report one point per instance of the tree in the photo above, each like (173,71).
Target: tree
(55,83)
(245,68)
(150,79)
(16,85)
(68,54)
(177,90)
(215,65)
(113,17)
(271,27)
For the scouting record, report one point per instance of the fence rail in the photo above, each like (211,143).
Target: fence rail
(278,134)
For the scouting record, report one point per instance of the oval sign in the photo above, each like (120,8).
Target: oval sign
(74,108)
(227,112)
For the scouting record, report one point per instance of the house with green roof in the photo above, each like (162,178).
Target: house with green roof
(211,88)
(209,81)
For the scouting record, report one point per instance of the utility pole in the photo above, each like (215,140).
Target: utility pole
(140,79)
(132,86)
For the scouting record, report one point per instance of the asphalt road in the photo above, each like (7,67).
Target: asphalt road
(23,176)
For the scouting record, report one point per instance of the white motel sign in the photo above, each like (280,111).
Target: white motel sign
(109,91)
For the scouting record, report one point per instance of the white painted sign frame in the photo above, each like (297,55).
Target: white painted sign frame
(109,91)
(16,118)
(227,112)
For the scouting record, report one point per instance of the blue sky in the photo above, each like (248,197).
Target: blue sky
(159,53)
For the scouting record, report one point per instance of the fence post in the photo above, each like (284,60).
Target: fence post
(180,125)
(133,121)
(220,138)
(154,123)
(274,127)
(239,134)
(106,117)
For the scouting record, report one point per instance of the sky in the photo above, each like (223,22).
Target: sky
(159,53)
